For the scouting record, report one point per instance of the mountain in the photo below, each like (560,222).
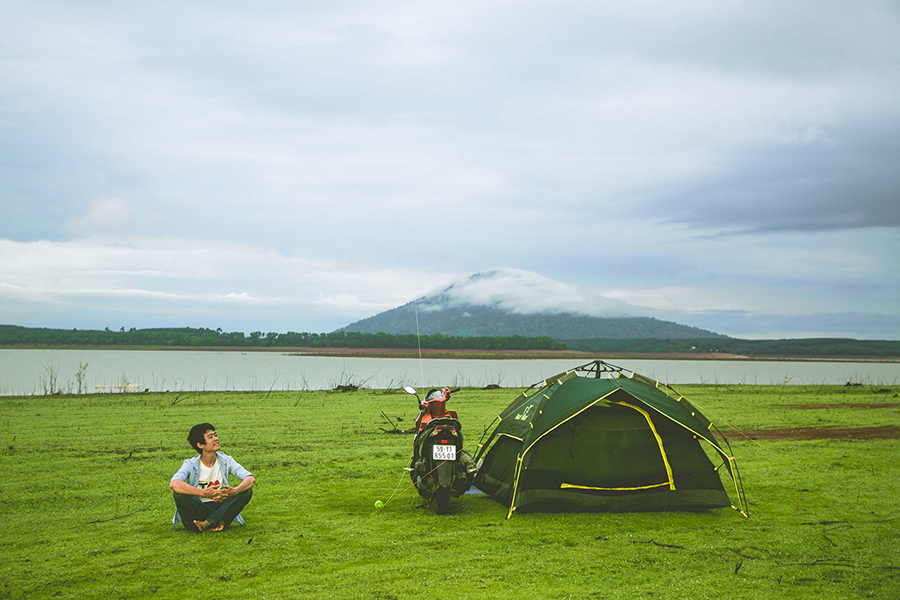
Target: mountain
(506,302)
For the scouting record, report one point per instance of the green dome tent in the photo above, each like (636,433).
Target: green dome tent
(600,437)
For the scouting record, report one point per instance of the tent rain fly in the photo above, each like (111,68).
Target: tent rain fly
(600,437)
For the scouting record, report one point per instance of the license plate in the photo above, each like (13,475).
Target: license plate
(439,452)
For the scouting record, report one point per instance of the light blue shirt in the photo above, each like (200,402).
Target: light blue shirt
(190,474)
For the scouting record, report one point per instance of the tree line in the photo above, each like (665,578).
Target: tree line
(812,347)
(187,337)
(13,335)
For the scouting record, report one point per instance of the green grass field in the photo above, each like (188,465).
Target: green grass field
(86,508)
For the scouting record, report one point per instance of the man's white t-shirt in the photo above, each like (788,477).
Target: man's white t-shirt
(209,476)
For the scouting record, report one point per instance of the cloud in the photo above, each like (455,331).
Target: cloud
(60,295)
(679,299)
(800,325)
(109,216)
(523,292)
(408,108)
(348,156)
(848,185)
(157,277)
(343,300)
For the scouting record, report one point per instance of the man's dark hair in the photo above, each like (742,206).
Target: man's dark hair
(198,435)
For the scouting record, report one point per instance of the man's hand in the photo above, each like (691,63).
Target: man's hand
(211,491)
(223,493)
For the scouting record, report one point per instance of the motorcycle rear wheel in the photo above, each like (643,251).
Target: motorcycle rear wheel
(442,498)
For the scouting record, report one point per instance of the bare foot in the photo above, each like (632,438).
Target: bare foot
(219,527)
(202,525)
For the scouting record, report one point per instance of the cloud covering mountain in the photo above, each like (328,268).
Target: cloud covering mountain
(523,292)
(505,301)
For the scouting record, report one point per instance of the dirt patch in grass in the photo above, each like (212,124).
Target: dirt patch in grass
(854,405)
(888,432)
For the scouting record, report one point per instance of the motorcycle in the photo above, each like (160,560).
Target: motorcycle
(439,468)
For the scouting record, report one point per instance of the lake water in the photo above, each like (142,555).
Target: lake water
(25,372)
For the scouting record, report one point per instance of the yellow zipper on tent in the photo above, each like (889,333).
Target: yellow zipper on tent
(721,453)
(587,487)
(598,400)
(659,441)
(512,503)
(699,435)
(730,459)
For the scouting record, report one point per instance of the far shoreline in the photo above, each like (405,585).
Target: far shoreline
(467,354)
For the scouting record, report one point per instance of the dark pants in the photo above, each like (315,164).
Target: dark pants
(191,509)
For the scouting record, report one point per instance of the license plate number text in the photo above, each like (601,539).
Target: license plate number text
(441,452)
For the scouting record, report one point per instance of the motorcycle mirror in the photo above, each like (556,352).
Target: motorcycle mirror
(409,390)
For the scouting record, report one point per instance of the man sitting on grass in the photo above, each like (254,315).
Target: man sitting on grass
(204,501)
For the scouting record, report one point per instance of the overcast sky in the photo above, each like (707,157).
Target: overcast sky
(298,166)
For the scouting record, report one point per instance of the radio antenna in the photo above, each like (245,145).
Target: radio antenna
(419,342)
